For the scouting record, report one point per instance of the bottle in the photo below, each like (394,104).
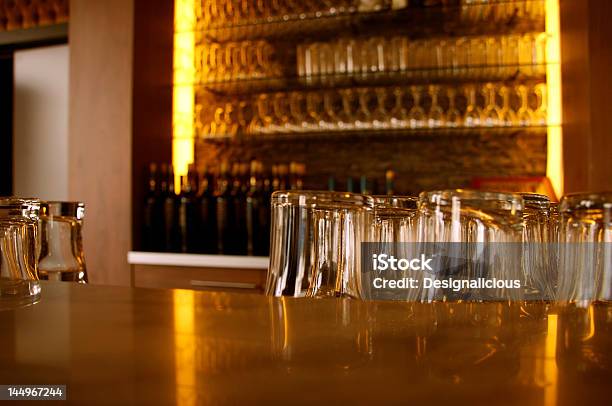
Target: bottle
(170,209)
(363,186)
(331,184)
(152,224)
(222,199)
(255,211)
(349,184)
(238,237)
(389,180)
(187,221)
(207,214)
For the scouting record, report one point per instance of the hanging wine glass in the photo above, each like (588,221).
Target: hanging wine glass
(398,113)
(436,116)
(524,116)
(346,120)
(491,115)
(454,118)
(380,117)
(416,115)
(540,115)
(507,115)
(472,111)
(363,119)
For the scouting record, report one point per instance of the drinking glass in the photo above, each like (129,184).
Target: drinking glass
(315,246)
(363,118)
(62,257)
(416,115)
(380,117)
(454,118)
(472,235)
(507,116)
(539,274)
(473,113)
(524,115)
(393,231)
(491,116)
(585,248)
(436,115)
(398,112)
(19,245)
(346,119)
(540,114)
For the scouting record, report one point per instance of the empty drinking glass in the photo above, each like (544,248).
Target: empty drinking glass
(62,257)
(585,248)
(19,245)
(472,236)
(315,244)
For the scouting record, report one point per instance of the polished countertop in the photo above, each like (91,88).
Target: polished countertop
(113,345)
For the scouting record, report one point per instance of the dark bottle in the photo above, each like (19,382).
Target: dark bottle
(349,184)
(237,242)
(187,213)
(389,182)
(170,208)
(222,199)
(331,184)
(207,214)
(364,186)
(256,213)
(152,224)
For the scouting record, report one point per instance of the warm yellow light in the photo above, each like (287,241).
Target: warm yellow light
(554,163)
(183,97)
(551,372)
(184,347)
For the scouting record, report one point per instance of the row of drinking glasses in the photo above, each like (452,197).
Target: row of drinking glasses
(446,57)
(38,240)
(236,61)
(219,13)
(559,252)
(463,57)
(415,107)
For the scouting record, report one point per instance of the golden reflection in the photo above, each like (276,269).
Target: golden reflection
(184,347)
(550,361)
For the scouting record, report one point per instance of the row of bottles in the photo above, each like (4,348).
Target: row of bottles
(224,210)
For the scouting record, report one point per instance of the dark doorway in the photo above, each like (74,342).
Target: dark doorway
(6,124)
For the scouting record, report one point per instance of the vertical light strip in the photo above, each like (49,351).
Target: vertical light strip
(184,347)
(554,161)
(551,372)
(183,97)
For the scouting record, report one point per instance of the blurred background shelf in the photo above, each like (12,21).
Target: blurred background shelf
(35,36)
(415,20)
(527,73)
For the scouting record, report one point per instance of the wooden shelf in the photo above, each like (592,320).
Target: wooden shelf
(47,34)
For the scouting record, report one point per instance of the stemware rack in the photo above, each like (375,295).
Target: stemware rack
(254,52)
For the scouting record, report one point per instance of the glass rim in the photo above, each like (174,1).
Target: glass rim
(586,201)
(395,202)
(328,199)
(445,197)
(535,200)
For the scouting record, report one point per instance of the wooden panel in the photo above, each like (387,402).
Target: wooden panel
(586,58)
(227,280)
(6,124)
(100,128)
(152,105)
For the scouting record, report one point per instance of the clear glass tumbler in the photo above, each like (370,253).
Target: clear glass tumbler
(472,236)
(19,243)
(62,257)
(315,244)
(585,248)
(393,231)
(538,269)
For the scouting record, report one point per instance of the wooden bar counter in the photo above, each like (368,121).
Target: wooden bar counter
(145,346)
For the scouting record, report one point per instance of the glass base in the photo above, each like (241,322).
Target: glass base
(18,293)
